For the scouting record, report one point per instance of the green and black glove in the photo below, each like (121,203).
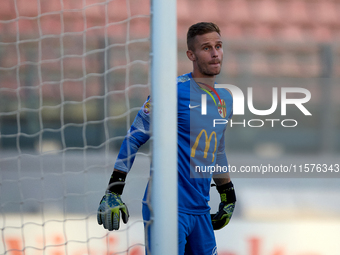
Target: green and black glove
(226,207)
(112,205)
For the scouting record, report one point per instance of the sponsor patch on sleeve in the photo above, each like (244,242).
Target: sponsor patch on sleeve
(146,106)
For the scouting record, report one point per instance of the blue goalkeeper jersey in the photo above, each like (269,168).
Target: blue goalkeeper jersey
(202,121)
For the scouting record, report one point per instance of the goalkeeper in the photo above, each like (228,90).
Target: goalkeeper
(195,223)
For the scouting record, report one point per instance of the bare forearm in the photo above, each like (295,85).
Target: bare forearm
(222,179)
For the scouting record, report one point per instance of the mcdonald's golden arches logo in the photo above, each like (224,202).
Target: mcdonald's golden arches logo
(207,144)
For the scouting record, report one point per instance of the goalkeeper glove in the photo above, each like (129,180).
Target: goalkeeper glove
(226,207)
(112,205)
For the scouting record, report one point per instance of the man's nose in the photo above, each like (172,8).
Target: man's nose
(214,53)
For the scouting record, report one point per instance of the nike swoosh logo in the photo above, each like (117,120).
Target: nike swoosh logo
(190,106)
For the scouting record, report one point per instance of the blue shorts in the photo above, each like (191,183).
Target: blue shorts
(195,233)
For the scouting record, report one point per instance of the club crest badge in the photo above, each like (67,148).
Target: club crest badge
(146,106)
(222,109)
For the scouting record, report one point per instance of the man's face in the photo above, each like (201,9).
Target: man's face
(208,54)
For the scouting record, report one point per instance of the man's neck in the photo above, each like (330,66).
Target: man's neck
(202,81)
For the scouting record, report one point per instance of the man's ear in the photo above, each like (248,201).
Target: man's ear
(191,55)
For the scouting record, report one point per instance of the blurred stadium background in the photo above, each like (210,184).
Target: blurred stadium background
(73,75)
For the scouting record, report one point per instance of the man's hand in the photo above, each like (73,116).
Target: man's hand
(226,207)
(223,216)
(109,211)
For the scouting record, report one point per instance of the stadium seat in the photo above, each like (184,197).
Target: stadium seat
(213,13)
(292,33)
(117,10)
(73,5)
(73,90)
(50,91)
(297,12)
(337,61)
(311,65)
(266,11)
(184,66)
(264,32)
(259,64)
(50,24)
(237,11)
(326,13)
(139,7)
(117,32)
(50,6)
(231,65)
(183,10)
(73,22)
(11,85)
(288,66)
(7,10)
(28,28)
(95,11)
(27,8)
(139,27)
(232,31)
(322,34)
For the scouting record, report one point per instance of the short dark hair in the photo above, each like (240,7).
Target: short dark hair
(200,28)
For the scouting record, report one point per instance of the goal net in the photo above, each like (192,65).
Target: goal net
(73,75)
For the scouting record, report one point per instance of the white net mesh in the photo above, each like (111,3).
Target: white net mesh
(73,75)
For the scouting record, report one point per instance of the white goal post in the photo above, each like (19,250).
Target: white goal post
(73,74)
(164,126)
